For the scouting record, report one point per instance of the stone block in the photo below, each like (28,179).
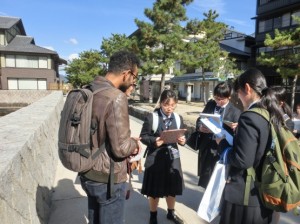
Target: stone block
(28,160)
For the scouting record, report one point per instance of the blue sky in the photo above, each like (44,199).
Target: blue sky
(73,26)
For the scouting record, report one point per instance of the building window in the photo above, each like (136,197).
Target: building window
(20,83)
(32,62)
(277,22)
(43,62)
(227,36)
(265,25)
(10,61)
(261,26)
(268,24)
(23,61)
(286,19)
(296,13)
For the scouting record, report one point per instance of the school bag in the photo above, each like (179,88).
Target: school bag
(279,188)
(76,130)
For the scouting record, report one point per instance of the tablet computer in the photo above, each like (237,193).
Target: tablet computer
(171,136)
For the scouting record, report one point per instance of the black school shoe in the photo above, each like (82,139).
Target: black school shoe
(153,220)
(174,218)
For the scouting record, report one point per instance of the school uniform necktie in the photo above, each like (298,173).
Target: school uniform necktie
(219,110)
(168,122)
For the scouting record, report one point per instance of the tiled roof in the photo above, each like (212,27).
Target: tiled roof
(25,44)
(7,22)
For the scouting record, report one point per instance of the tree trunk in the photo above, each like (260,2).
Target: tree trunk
(162,84)
(162,88)
(204,87)
(293,91)
(204,94)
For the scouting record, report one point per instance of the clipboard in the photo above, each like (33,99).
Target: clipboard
(213,122)
(171,136)
(215,117)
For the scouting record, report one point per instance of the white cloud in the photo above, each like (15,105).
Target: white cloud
(73,41)
(73,56)
(3,14)
(206,5)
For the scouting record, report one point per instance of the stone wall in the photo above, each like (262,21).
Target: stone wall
(28,157)
(21,98)
(13,100)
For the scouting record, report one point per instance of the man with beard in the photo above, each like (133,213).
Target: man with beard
(105,183)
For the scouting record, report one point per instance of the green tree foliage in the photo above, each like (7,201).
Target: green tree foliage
(83,70)
(285,55)
(117,42)
(160,40)
(203,49)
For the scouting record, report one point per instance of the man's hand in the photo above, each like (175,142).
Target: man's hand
(139,148)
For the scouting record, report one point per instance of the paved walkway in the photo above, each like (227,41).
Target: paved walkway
(69,202)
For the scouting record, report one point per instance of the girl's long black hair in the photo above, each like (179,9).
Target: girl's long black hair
(281,95)
(256,80)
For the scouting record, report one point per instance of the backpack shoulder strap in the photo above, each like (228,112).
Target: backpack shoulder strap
(249,178)
(178,121)
(155,121)
(251,174)
(263,112)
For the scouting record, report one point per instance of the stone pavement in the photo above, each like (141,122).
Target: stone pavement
(69,202)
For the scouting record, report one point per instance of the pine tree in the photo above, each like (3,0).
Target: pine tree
(116,43)
(203,49)
(285,54)
(160,40)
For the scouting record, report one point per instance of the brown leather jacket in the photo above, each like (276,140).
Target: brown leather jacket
(110,109)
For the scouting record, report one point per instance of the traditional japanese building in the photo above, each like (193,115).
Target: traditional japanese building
(24,65)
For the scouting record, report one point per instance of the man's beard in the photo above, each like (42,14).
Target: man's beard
(123,87)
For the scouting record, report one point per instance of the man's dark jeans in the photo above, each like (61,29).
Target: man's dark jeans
(102,210)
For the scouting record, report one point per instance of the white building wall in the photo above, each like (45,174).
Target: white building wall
(237,43)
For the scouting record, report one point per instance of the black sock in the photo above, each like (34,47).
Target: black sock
(171,212)
(153,215)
